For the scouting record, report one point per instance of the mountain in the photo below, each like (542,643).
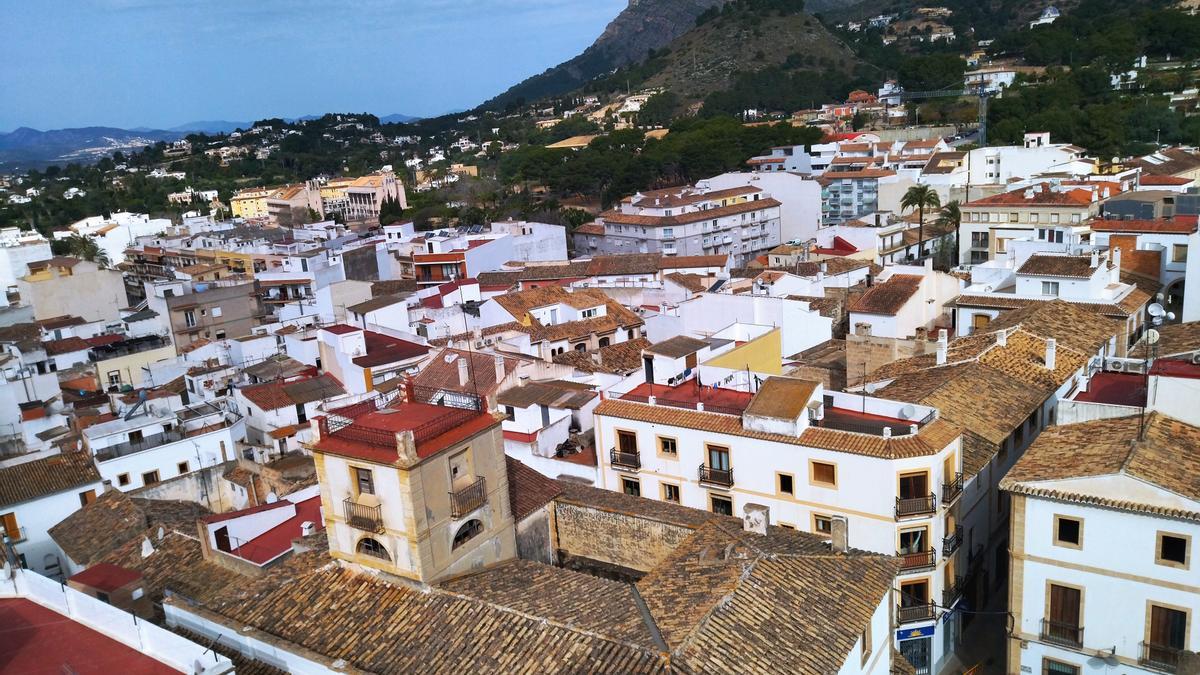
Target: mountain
(652,25)
(642,26)
(27,147)
(397,119)
(210,127)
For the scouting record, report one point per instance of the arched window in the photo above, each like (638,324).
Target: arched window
(369,546)
(467,532)
(581,347)
(604,342)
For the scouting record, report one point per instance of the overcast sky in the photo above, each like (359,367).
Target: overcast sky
(162,63)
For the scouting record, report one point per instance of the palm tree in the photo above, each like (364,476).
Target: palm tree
(920,197)
(84,247)
(949,218)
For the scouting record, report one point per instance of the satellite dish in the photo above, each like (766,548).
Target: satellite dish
(1155,310)
(907,412)
(1152,337)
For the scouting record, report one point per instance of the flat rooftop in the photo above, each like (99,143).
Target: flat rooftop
(687,394)
(1115,389)
(371,435)
(35,640)
(277,540)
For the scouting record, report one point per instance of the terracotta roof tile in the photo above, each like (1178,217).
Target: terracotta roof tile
(619,358)
(528,490)
(888,297)
(50,475)
(1074,266)
(1042,195)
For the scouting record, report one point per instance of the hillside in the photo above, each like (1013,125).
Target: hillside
(643,26)
(712,56)
(27,147)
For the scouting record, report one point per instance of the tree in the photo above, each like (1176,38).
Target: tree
(920,197)
(949,218)
(85,247)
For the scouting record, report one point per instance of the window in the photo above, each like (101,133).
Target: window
(220,335)
(581,347)
(668,447)
(468,531)
(631,486)
(980,321)
(822,473)
(8,522)
(216,311)
(979,239)
(1054,218)
(364,481)
(1068,532)
(189,318)
(720,505)
(150,477)
(822,524)
(915,540)
(510,413)
(114,378)
(1052,667)
(182,467)
(1050,288)
(627,442)
(865,638)
(670,493)
(368,546)
(1179,253)
(914,485)
(786,526)
(87,497)
(1001,245)
(123,479)
(1172,550)
(785,484)
(604,342)
(588,313)
(1033,217)
(1013,217)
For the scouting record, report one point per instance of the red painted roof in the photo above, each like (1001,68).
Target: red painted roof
(101,340)
(384,349)
(106,577)
(690,393)
(219,517)
(840,247)
(39,641)
(404,417)
(341,329)
(1115,389)
(1173,368)
(1175,225)
(520,437)
(270,544)
(1148,179)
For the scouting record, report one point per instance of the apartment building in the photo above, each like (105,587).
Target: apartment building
(1053,213)
(18,248)
(742,222)
(849,191)
(36,494)
(1103,576)
(886,474)
(546,321)
(212,312)
(65,286)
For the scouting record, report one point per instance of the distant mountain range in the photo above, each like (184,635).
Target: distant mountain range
(26,148)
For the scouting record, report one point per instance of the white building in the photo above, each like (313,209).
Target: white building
(904,299)
(116,232)
(1103,576)
(278,412)
(540,417)
(799,199)
(35,495)
(18,248)
(150,442)
(803,452)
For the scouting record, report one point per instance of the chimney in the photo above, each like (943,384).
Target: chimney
(941,347)
(839,531)
(499,361)
(106,486)
(1116,259)
(1095,258)
(1084,381)
(307,528)
(821,269)
(877,220)
(1029,193)
(463,371)
(1002,338)
(596,359)
(755,518)
(1051,353)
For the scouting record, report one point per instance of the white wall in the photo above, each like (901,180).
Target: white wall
(36,517)
(799,198)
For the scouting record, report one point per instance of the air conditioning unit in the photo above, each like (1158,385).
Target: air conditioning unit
(1196,357)
(1115,365)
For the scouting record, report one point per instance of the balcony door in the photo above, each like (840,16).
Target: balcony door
(718,458)
(627,442)
(914,541)
(1168,634)
(914,485)
(1063,614)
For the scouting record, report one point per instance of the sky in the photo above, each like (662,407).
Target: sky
(163,63)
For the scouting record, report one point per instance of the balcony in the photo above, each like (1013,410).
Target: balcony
(913,613)
(913,562)
(467,499)
(1062,634)
(718,477)
(362,517)
(145,443)
(952,592)
(951,542)
(952,489)
(630,461)
(914,507)
(1159,657)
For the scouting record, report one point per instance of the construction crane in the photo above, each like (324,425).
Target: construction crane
(980,90)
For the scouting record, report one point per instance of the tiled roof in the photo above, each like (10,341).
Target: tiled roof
(781,397)
(1129,304)
(690,216)
(61,322)
(619,358)
(692,282)
(1042,196)
(377,302)
(932,438)
(1178,338)
(552,393)
(888,297)
(590,228)
(276,366)
(1073,324)
(176,563)
(1023,359)
(442,371)
(113,519)
(681,196)
(677,347)
(679,262)
(1074,266)
(1166,455)
(1175,225)
(66,346)
(50,475)
(1168,161)
(268,395)
(392,286)
(522,302)
(528,490)
(616,317)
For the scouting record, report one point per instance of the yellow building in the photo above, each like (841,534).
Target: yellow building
(250,203)
(415,490)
